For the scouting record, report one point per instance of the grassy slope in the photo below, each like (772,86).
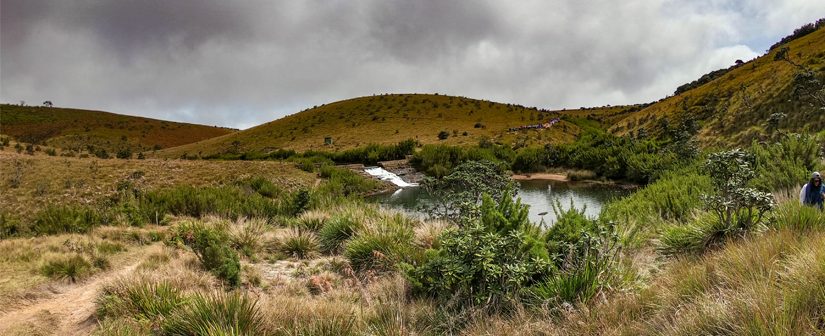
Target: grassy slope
(396,117)
(75,129)
(735,107)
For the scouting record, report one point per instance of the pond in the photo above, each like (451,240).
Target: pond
(539,194)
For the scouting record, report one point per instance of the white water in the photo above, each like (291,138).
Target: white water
(384,175)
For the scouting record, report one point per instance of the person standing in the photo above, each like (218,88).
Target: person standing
(813,192)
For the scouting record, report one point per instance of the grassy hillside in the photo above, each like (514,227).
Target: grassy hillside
(736,107)
(74,129)
(396,117)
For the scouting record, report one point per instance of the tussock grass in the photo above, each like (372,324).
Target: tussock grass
(230,313)
(338,229)
(73,268)
(298,243)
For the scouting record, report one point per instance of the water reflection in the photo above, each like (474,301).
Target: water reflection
(540,195)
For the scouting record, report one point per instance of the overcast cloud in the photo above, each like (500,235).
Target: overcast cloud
(242,63)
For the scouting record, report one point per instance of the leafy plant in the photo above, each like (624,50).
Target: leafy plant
(211,246)
(459,194)
(736,205)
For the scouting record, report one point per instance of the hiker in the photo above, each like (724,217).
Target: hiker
(813,192)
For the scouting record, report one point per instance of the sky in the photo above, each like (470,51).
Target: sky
(242,63)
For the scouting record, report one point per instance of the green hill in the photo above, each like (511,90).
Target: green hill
(78,130)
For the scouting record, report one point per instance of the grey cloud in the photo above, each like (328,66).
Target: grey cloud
(240,63)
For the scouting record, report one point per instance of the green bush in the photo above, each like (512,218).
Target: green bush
(9,226)
(230,313)
(229,202)
(261,186)
(345,182)
(212,247)
(336,230)
(565,238)
(56,219)
(72,268)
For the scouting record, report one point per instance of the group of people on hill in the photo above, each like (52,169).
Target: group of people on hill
(813,193)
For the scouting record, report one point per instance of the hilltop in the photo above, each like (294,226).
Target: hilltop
(781,90)
(77,130)
(391,118)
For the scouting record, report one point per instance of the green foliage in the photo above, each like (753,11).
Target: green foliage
(260,185)
(212,247)
(474,266)
(72,268)
(488,260)
(56,219)
(9,226)
(336,230)
(459,194)
(229,202)
(671,198)
(141,300)
(439,160)
(564,239)
(443,135)
(787,163)
(345,182)
(230,313)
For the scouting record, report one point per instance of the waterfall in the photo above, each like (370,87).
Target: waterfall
(384,175)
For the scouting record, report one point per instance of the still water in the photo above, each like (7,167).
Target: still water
(539,194)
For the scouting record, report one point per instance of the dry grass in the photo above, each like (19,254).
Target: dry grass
(74,129)
(59,180)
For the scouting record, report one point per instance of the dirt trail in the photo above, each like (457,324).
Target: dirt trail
(70,311)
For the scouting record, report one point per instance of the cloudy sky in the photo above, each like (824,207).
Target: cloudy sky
(242,63)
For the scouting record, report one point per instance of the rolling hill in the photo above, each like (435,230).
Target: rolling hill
(392,118)
(77,130)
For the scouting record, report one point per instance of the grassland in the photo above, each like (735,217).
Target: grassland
(30,183)
(75,130)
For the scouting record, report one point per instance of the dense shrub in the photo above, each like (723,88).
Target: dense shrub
(345,182)
(9,226)
(56,219)
(439,160)
(229,202)
(212,247)
(737,206)
(261,186)
(565,238)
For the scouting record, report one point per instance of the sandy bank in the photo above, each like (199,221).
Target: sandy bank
(540,176)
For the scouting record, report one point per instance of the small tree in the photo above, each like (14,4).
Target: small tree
(459,194)
(443,135)
(737,206)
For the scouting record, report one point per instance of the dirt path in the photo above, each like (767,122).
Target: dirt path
(70,311)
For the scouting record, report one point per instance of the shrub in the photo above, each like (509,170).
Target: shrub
(298,243)
(72,268)
(9,226)
(344,182)
(336,230)
(443,135)
(565,238)
(261,186)
(211,246)
(736,206)
(229,202)
(56,219)
(230,313)
(787,163)
(460,193)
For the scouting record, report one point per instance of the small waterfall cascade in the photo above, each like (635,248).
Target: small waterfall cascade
(384,175)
